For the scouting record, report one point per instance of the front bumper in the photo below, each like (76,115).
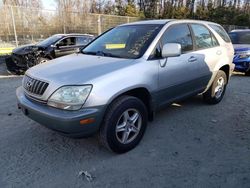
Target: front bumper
(13,66)
(65,122)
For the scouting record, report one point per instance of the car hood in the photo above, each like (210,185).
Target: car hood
(26,49)
(241,47)
(76,68)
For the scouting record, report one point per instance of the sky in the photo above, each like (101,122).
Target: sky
(49,4)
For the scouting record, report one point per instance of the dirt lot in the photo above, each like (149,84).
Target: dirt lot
(191,145)
(3,69)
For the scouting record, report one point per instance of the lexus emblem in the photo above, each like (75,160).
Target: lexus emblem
(29,84)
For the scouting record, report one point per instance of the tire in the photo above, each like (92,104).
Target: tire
(118,121)
(217,90)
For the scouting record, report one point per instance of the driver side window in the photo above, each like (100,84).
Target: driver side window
(69,41)
(181,34)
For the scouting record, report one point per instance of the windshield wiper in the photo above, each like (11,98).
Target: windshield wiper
(107,54)
(101,53)
(88,53)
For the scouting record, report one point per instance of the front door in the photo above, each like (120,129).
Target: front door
(179,76)
(66,46)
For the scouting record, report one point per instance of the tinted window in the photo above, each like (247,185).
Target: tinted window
(179,34)
(83,40)
(69,41)
(50,40)
(124,41)
(203,37)
(221,32)
(240,37)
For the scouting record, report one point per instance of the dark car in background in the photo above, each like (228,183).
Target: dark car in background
(241,43)
(24,57)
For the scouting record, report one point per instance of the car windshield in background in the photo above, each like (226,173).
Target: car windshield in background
(50,40)
(124,42)
(240,37)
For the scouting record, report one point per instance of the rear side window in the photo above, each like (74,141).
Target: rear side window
(203,37)
(218,29)
(179,34)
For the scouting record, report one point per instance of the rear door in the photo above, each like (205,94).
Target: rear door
(207,51)
(180,76)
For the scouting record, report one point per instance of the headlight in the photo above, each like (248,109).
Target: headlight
(70,97)
(243,54)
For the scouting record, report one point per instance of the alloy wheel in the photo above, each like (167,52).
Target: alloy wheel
(128,126)
(220,87)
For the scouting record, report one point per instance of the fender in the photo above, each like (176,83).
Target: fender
(218,66)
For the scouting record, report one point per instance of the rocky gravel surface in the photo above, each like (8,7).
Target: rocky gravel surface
(189,144)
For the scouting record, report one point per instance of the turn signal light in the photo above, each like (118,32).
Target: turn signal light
(87,121)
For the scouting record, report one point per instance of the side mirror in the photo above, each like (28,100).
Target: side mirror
(171,50)
(78,50)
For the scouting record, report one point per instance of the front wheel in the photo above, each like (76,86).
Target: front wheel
(217,90)
(124,124)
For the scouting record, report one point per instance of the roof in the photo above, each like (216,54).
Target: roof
(165,21)
(74,34)
(240,30)
(160,22)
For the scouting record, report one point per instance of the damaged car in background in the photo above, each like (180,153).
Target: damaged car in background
(24,57)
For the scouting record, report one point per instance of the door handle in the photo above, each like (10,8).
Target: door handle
(192,59)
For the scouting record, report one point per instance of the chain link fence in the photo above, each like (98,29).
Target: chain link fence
(22,25)
(25,25)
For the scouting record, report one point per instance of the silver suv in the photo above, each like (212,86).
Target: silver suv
(116,83)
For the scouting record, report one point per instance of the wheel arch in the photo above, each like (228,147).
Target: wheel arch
(141,93)
(226,69)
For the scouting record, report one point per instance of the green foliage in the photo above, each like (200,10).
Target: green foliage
(181,13)
(242,19)
(227,12)
(131,10)
(224,15)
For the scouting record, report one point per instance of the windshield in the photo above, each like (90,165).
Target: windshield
(240,37)
(50,40)
(124,42)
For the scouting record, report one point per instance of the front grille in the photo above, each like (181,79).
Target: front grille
(34,86)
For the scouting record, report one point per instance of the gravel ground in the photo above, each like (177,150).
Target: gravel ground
(3,69)
(188,145)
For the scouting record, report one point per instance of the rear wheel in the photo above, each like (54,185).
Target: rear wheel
(124,124)
(217,90)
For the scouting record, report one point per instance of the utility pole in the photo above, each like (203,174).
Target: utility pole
(14,24)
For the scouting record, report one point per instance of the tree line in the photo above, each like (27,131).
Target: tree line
(227,12)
